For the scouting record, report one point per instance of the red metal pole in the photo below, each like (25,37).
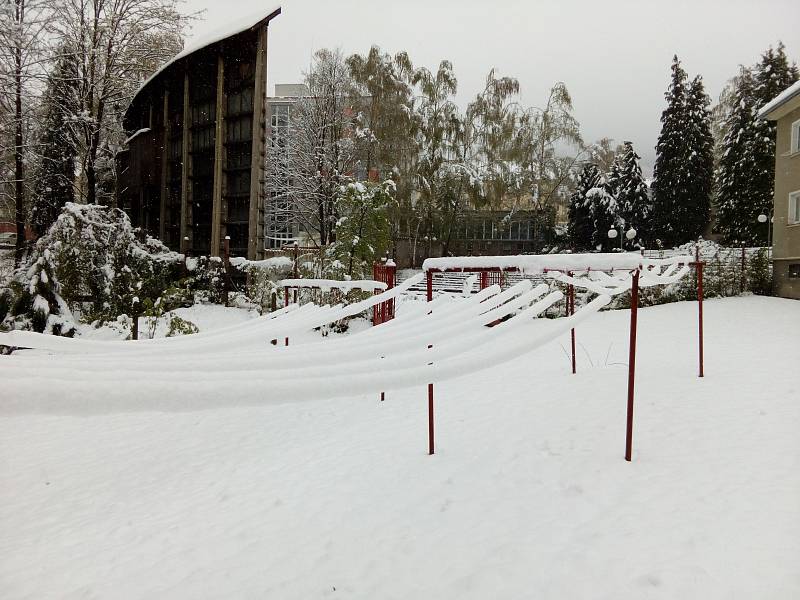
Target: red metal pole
(430,285)
(430,418)
(430,413)
(700,312)
(391,280)
(741,285)
(632,364)
(572,331)
(375,308)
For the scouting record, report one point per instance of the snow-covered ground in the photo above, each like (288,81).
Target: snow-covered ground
(528,495)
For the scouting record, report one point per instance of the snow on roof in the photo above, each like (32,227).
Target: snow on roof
(230,28)
(786,95)
(135,135)
(539,263)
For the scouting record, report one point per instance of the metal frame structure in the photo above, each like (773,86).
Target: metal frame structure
(496,272)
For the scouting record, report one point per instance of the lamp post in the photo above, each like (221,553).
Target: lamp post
(629,235)
(762,218)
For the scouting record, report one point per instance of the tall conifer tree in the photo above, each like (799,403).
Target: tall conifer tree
(746,170)
(581,225)
(57,145)
(700,161)
(738,204)
(633,200)
(670,172)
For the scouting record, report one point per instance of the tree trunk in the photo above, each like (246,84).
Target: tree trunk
(19,167)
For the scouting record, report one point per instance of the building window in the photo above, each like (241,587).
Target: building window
(794,271)
(794,208)
(794,143)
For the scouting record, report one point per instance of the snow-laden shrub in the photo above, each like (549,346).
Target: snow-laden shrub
(262,277)
(91,258)
(759,274)
(363,231)
(34,301)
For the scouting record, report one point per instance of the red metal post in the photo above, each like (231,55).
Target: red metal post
(430,418)
(699,266)
(430,413)
(632,364)
(571,311)
(286,296)
(430,285)
(391,280)
(375,308)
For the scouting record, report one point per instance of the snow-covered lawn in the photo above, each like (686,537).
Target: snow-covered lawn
(528,495)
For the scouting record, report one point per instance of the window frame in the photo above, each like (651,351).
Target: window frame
(793,218)
(794,137)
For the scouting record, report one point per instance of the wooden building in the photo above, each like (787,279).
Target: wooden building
(193,170)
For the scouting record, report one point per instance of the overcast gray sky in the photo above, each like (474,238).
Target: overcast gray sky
(614,55)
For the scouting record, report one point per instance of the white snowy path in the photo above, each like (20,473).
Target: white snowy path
(528,495)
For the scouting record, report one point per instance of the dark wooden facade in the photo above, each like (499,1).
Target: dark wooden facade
(194,167)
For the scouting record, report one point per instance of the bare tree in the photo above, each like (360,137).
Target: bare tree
(117,44)
(22,33)
(320,153)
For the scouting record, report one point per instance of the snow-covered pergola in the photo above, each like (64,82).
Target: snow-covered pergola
(451,338)
(606,274)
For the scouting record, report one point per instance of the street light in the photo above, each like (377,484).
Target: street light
(762,218)
(629,235)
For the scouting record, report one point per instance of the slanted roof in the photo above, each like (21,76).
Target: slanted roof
(229,29)
(778,106)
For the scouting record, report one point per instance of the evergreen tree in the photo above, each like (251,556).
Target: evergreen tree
(581,225)
(57,145)
(700,161)
(631,195)
(771,76)
(669,168)
(746,170)
(739,200)
(605,216)
(672,190)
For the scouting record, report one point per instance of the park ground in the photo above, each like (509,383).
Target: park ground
(527,496)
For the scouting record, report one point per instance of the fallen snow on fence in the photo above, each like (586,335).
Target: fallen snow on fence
(541,263)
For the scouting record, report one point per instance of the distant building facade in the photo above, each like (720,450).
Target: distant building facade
(785,111)
(193,170)
(281,225)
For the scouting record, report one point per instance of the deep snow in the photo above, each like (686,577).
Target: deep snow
(527,496)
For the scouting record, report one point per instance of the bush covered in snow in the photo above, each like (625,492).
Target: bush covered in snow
(90,259)
(363,232)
